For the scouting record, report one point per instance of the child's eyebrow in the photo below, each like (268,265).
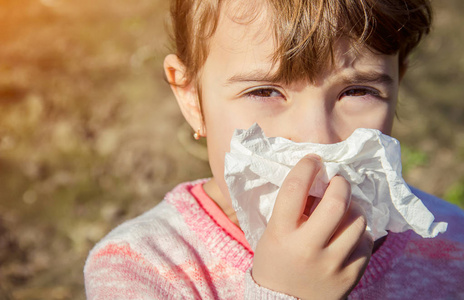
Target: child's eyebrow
(253,76)
(368,77)
(356,77)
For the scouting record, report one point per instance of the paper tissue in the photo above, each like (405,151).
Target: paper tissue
(256,167)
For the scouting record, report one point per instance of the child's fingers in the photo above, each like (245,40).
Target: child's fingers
(293,195)
(329,213)
(349,233)
(358,260)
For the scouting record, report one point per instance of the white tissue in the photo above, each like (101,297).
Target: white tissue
(256,167)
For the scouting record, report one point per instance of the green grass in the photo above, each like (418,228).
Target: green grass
(455,194)
(412,158)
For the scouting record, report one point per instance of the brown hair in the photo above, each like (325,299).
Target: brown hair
(306,30)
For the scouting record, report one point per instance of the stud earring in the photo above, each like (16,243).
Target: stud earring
(197,135)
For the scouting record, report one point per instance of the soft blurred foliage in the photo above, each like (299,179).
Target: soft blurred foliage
(90,135)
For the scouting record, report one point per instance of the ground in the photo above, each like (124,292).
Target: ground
(90,135)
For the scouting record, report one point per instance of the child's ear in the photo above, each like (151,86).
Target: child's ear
(185,93)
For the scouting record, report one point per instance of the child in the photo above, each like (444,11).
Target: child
(309,71)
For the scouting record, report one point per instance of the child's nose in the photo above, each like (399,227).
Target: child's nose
(319,133)
(316,124)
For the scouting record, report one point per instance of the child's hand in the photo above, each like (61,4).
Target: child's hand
(322,256)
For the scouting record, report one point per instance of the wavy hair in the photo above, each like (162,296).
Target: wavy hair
(306,30)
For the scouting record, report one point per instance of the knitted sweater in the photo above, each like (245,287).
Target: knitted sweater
(186,248)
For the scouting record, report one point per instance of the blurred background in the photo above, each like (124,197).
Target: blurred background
(90,134)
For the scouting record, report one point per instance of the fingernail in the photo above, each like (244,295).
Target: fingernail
(314,157)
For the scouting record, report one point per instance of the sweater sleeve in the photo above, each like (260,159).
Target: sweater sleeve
(253,291)
(116,271)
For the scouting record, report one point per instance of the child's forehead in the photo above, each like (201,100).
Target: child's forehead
(246,34)
(249,39)
(243,22)
(242,38)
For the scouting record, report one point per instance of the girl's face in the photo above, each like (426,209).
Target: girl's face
(360,91)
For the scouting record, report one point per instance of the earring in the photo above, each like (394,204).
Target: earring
(197,135)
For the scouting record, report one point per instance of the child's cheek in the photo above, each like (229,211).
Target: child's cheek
(366,114)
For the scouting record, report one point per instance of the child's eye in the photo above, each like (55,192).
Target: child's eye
(264,93)
(360,92)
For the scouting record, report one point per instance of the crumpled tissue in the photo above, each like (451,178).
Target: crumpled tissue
(370,161)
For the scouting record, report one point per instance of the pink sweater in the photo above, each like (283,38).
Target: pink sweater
(186,248)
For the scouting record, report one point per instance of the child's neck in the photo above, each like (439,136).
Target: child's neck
(212,189)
